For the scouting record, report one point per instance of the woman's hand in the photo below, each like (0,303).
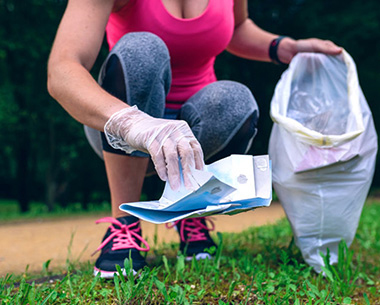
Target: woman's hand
(167,141)
(289,47)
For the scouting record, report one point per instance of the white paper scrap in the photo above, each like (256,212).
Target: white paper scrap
(229,186)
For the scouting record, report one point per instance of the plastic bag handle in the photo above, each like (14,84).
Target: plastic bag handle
(309,136)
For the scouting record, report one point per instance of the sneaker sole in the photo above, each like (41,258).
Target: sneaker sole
(110,274)
(199,256)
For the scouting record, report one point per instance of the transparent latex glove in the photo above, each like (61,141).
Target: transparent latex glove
(167,141)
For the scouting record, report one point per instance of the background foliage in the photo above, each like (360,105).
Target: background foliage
(44,153)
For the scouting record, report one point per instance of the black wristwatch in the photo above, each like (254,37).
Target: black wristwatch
(273,47)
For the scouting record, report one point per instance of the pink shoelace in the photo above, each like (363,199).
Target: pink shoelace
(193,226)
(125,237)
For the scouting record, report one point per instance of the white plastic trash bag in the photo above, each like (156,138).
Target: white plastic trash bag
(323,149)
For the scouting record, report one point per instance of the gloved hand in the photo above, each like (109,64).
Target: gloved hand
(167,141)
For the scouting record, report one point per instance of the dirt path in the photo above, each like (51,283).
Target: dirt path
(34,242)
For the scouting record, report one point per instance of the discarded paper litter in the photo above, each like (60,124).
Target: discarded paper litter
(229,186)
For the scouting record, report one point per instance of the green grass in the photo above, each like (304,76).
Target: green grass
(9,210)
(258,266)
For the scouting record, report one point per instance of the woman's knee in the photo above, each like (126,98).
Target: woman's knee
(230,95)
(222,113)
(229,102)
(142,44)
(137,71)
(145,56)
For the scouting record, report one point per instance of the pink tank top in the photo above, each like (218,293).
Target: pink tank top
(193,43)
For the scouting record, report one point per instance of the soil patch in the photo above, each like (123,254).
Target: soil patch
(32,243)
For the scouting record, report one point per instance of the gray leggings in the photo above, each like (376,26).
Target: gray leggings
(223,115)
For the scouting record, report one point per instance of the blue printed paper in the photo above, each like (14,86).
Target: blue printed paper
(231,185)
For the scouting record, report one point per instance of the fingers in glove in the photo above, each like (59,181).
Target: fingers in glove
(183,131)
(187,160)
(176,140)
(198,154)
(158,159)
(170,153)
(165,159)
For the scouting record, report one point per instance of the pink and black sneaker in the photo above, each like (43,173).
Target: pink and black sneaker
(122,240)
(195,237)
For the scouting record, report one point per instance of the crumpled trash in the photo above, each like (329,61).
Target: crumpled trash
(229,186)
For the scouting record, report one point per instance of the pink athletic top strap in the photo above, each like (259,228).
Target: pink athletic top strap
(193,43)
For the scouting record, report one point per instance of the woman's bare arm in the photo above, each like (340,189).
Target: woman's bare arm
(251,42)
(76,46)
